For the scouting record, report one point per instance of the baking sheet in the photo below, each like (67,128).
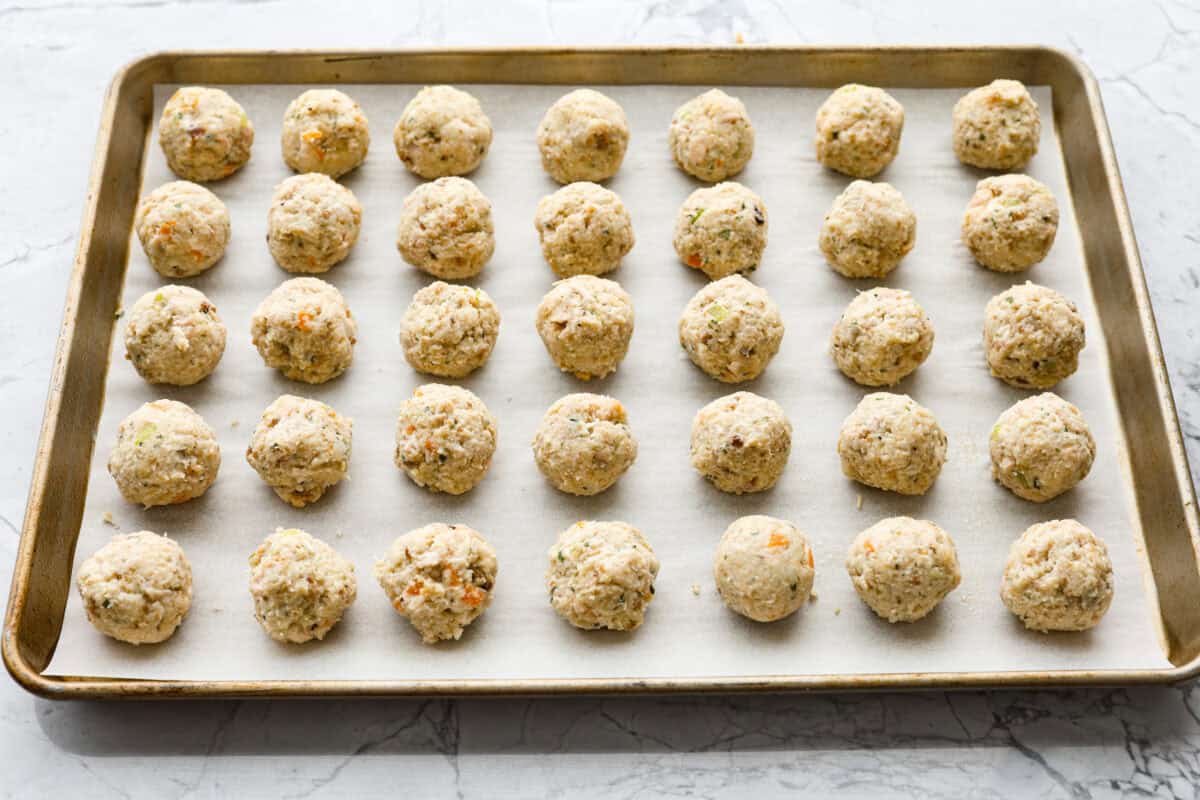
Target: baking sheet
(686,634)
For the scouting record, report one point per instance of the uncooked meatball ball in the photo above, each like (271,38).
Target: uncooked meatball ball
(584,229)
(173,335)
(601,575)
(586,324)
(583,444)
(1041,447)
(446,229)
(903,567)
(300,448)
(583,137)
(183,228)
(165,454)
(301,586)
(1010,222)
(137,588)
(763,568)
(997,126)
(731,329)
(868,230)
(1058,577)
(324,131)
(441,577)
(313,223)
(883,336)
(304,329)
(893,443)
(721,230)
(741,442)
(1032,336)
(711,136)
(448,330)
(445,438)
(442,131)
(858,130)
(204,134)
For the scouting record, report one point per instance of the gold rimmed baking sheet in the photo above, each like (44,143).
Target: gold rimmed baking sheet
(1135,497)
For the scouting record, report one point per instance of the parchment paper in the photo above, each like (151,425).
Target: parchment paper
(685,634)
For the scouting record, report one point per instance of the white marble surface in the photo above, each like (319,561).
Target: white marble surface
(57,58)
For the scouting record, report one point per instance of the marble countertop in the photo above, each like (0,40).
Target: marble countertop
(59,57)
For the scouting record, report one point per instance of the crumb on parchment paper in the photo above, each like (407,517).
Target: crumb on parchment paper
(696,589)
(107,519)
(234,423)
(858,503)
(837,612)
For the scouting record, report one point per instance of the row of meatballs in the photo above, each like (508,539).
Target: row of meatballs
(600,575)
(205,134)
(731,329)
(165,453)
(446,228)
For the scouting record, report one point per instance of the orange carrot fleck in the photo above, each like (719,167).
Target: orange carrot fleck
(429,445)
(409,430)
(302,320)
(414,588)
(472,596)
(694,260)
(811,565)
(870,548)
(778,540)
(166,228)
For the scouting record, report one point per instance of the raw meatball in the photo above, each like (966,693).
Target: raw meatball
(711,136)
(1041,447)
(445,438)
(903,567)
(997,126)
(304,329)
(183,228)
(883,336)
(165,454)
(731,329)
(586,324)
(1058,577)
(441,577)
(313,223)
(324,131)
(721,230)
(868,230)
(449,331)
(1010,222)
(137,588)
(584,229)
(446,229)
(893,443)
(204,134)
(173,335)
(300,448)
(583,137)
(301,586)
(763,568)
(1032,336)
(584,444)
(858,130)
(601,575)
(442,131)
(741,442)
